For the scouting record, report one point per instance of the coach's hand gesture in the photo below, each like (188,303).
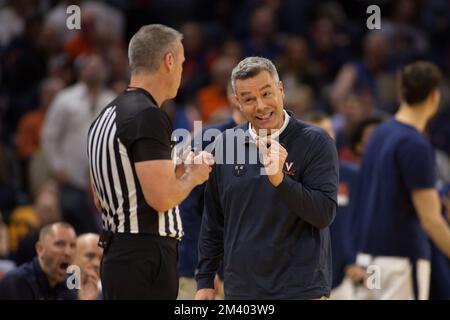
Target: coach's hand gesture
(273,158)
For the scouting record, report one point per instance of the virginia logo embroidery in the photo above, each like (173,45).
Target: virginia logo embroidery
(290,171)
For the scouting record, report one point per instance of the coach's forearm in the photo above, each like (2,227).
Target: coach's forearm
(313,206)
(210,250)
(210,242)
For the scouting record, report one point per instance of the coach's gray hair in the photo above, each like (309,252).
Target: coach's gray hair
(252,66)
(149,45)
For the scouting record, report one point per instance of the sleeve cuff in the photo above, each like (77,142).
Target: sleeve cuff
(286,184)
(205,282)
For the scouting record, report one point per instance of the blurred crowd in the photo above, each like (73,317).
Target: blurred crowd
(55,81)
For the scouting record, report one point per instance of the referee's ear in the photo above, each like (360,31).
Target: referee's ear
(169,61)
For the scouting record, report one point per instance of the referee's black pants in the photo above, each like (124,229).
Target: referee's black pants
(140,266)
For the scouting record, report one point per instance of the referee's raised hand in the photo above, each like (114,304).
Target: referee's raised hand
(199,166)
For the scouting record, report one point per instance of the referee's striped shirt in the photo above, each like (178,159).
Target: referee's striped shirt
(130,129)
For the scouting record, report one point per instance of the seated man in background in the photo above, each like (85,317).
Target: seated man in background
(88,257)
(44,278)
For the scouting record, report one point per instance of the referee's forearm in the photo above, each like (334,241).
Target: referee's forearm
(176,193)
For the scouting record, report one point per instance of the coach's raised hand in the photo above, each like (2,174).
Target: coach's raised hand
(273,158)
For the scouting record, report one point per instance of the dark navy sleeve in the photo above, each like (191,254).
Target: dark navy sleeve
(15,287)
(191,210)
(314,199)
(440,265)
(416,159)
(210,247)
(191,217)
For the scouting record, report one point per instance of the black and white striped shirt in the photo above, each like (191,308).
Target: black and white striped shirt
(130,129)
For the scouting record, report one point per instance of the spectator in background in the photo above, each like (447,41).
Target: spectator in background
(44,278)
(56,18)
(30,125)
(23,68)
(119,72)
(397,193)
(64,139)
(88,256)
(6,264)
(373,73)
(360,136)
(326,50)
(46,206)
(297,69)
(213,99)
(298,74)
(262,40)
(12,19)
(9,182)
(321,120)
(195,68)
(104,13)
(406,40)
(22,222)
(60,66)
(356,107)
(86,40)
(232,49)
(436,24)
(299,101)
(4,241)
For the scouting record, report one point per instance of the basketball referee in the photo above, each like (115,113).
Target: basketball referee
(133,178)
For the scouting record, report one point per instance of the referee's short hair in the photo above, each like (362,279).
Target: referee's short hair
(418,80)
(252,66)
(149,45)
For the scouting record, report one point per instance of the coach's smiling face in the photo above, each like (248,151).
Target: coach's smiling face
(261,100)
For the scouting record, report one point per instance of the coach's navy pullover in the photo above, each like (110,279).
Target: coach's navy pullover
(274,240)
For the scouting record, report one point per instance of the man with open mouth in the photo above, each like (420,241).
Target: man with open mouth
(44,278)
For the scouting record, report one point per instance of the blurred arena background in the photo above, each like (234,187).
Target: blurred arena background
(329,61)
